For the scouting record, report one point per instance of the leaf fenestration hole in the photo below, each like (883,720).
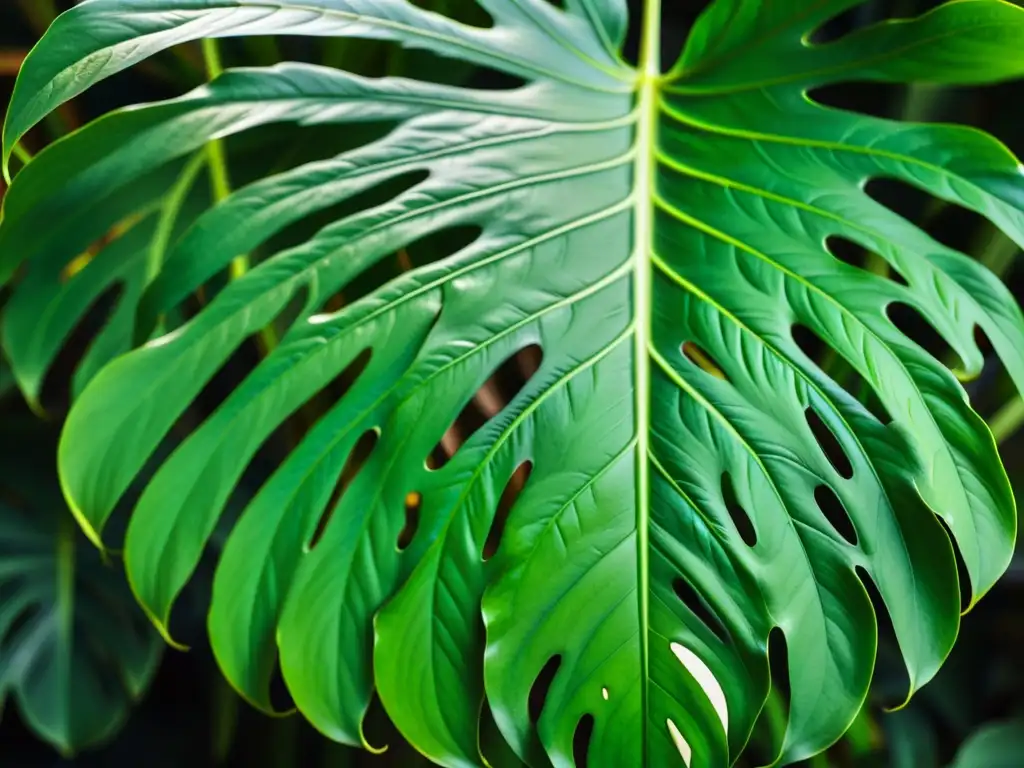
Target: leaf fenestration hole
(501,387)
(856,255)
(840,370)
(413,505)
(699,357)
(581,741)
(515,485)
(835,512)
(682,745)
(740,518)
(829,444)
(356,460)
(541,685)
(700,608)
(705,678)
(916,327)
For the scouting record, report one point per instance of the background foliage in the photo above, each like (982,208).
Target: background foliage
(120,695)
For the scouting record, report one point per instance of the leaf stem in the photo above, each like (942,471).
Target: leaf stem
(169,215)
(21,153)
(224,720)
(220,181)
(1007,420)
(646,137)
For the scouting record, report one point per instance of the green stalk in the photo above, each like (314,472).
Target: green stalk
(224,720)
(22,154)
(1007,420)
(220,181)
(169,215)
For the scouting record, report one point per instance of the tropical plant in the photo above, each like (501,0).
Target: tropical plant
(670,243)
(74,650)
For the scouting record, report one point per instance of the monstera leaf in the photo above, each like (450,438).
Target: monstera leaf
(668,238)
(75,650)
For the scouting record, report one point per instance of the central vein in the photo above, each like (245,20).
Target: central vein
(648,76)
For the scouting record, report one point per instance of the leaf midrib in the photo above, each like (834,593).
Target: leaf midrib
(645,162)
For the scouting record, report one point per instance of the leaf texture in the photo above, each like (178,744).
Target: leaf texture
(666,241)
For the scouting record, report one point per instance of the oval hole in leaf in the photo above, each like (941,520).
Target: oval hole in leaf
(541,686)
(357,459)
(702,360)
(700,608)
(682,745)
(413,504)
(499,390)
(856,255)
(581,741)
(740,518)
(840,370)
(830,505)
(514,487)
(705,678)
(916,327)
(829,444)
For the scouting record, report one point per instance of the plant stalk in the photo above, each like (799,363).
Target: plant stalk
(220,181)
(1007,420)
(22,154)
(169,214)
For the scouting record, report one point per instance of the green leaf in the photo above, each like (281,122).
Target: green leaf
(665,240)
(997,745)
(75,651)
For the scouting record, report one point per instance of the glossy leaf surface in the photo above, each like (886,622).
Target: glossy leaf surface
(668,242)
